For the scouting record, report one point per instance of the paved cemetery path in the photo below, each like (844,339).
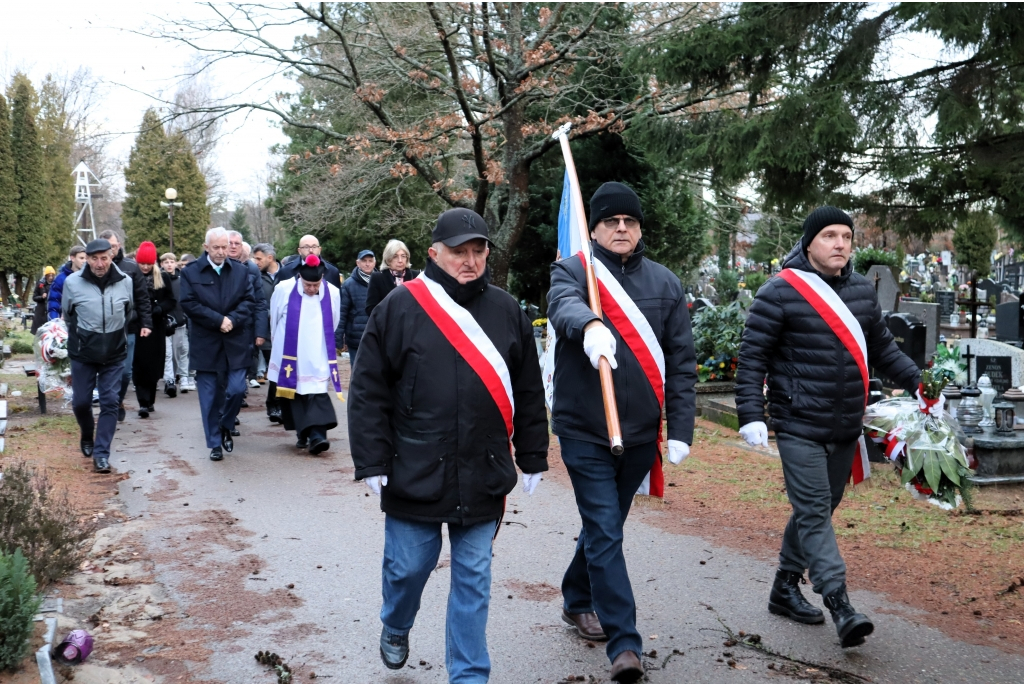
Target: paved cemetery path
(274,549)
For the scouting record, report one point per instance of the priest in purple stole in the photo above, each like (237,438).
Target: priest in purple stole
(304,313)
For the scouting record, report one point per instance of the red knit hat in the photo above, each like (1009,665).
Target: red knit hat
(146,254)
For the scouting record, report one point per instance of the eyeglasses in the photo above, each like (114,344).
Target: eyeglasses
(612,223)
(309,247)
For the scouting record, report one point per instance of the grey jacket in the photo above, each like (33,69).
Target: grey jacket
(97,312)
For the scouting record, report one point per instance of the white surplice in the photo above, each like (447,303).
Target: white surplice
(313,367)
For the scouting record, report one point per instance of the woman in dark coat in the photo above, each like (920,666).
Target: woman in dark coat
(40,296)
(394,271)
(151,351)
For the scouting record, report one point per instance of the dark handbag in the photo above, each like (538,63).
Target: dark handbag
(170,324)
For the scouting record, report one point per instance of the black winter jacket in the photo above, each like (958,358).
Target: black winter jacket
(291,270)
(142,316)
(578,411)
(259,325)
(381,284)
(353,312)
(815,390)
(206,299)
(419,414)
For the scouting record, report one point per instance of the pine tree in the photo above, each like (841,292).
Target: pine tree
(8,204)
(241,224)
(157,162)
(31,183)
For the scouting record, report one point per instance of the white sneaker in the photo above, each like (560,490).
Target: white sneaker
(254,383)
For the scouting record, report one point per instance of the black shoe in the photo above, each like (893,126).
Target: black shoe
(787,600)
(302,443)
(274,415)
(171,390)
(86,446)
(235,432)
(319,445)
(121,413)
(100,465)
(851,627)
(216,454)
(225,440)
(237,421)
(151,409)
(394,649)
(244,405)
(143,413)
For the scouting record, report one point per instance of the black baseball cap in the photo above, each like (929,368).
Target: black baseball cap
(457,226)
(98,245)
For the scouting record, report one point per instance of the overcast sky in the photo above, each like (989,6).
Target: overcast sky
(62,36)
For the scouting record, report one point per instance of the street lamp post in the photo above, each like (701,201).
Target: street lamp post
(171,194)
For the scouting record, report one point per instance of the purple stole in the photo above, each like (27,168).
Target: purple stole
(288,376)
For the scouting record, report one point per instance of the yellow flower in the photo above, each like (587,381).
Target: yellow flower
(721,365)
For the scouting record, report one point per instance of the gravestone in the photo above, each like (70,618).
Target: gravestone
(1008,320)
(1008,296)
(993,357)
(947,303)
(929,314)
(699,304)
(881,278)
(991,288)
(910,335)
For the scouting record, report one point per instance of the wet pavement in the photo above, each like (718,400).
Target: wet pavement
(275,549)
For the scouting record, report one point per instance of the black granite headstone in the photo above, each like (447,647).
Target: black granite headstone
(911,336)
(1008,320)
(946,300)
(999,369)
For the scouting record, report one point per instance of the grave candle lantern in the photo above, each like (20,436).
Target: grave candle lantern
(1004,416)
(969,413)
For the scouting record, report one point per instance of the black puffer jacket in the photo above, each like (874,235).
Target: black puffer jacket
(815,390)
(419,414)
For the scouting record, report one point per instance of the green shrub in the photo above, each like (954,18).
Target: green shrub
(717,332)
(754,280)
(727,285)
(18,606)
(867,257)
(40,520)
(21,347)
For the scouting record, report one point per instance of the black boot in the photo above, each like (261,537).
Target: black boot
(787,600)
(851,627)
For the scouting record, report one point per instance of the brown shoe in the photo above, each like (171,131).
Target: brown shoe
(586,625)
(626,668)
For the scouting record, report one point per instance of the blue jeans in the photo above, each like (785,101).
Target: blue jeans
(126,373)
(84,378)
(596,580)
(411,550)
(220,398)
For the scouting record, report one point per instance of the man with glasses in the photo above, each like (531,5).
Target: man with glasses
(645,318)
(308,244)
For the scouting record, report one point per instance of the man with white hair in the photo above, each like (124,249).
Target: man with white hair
(217,296)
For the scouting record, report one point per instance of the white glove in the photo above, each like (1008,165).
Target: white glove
(755,433)
(677,451)
(530,482)
(599,342)
(375,483)
(936,409)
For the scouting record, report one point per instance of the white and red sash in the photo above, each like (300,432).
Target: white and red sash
(636,332)
(467,337)
(844,324)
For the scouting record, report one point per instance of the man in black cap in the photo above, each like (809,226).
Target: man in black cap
(353,304)
(447,373)
(97,304)
(646,338)
(303,364)
(814,331)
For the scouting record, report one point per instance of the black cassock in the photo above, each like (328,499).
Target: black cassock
(309,415)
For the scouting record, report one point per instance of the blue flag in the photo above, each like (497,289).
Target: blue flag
(568,234)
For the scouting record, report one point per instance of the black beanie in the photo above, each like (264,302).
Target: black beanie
(312,268)
(820,218)
(614,198)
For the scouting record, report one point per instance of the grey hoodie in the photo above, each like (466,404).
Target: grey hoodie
(97,313)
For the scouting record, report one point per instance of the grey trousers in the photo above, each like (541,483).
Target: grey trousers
(176,356)
(816,476)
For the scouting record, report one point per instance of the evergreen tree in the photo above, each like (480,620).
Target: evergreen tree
(974,239)
(157,162)
(241,224)
(30,179)
(57,139)
(8,204)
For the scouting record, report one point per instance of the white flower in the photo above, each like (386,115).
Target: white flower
(59,353)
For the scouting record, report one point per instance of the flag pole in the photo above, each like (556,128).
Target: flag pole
(611,410)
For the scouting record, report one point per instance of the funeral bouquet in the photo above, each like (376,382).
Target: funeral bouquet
(51,348)
(921,441)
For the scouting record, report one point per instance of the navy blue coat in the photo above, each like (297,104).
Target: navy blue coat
(206,299)
(353,311)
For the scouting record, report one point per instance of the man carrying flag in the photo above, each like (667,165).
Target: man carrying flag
(646,338)
(813,332)
(304,312)
(447,381)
